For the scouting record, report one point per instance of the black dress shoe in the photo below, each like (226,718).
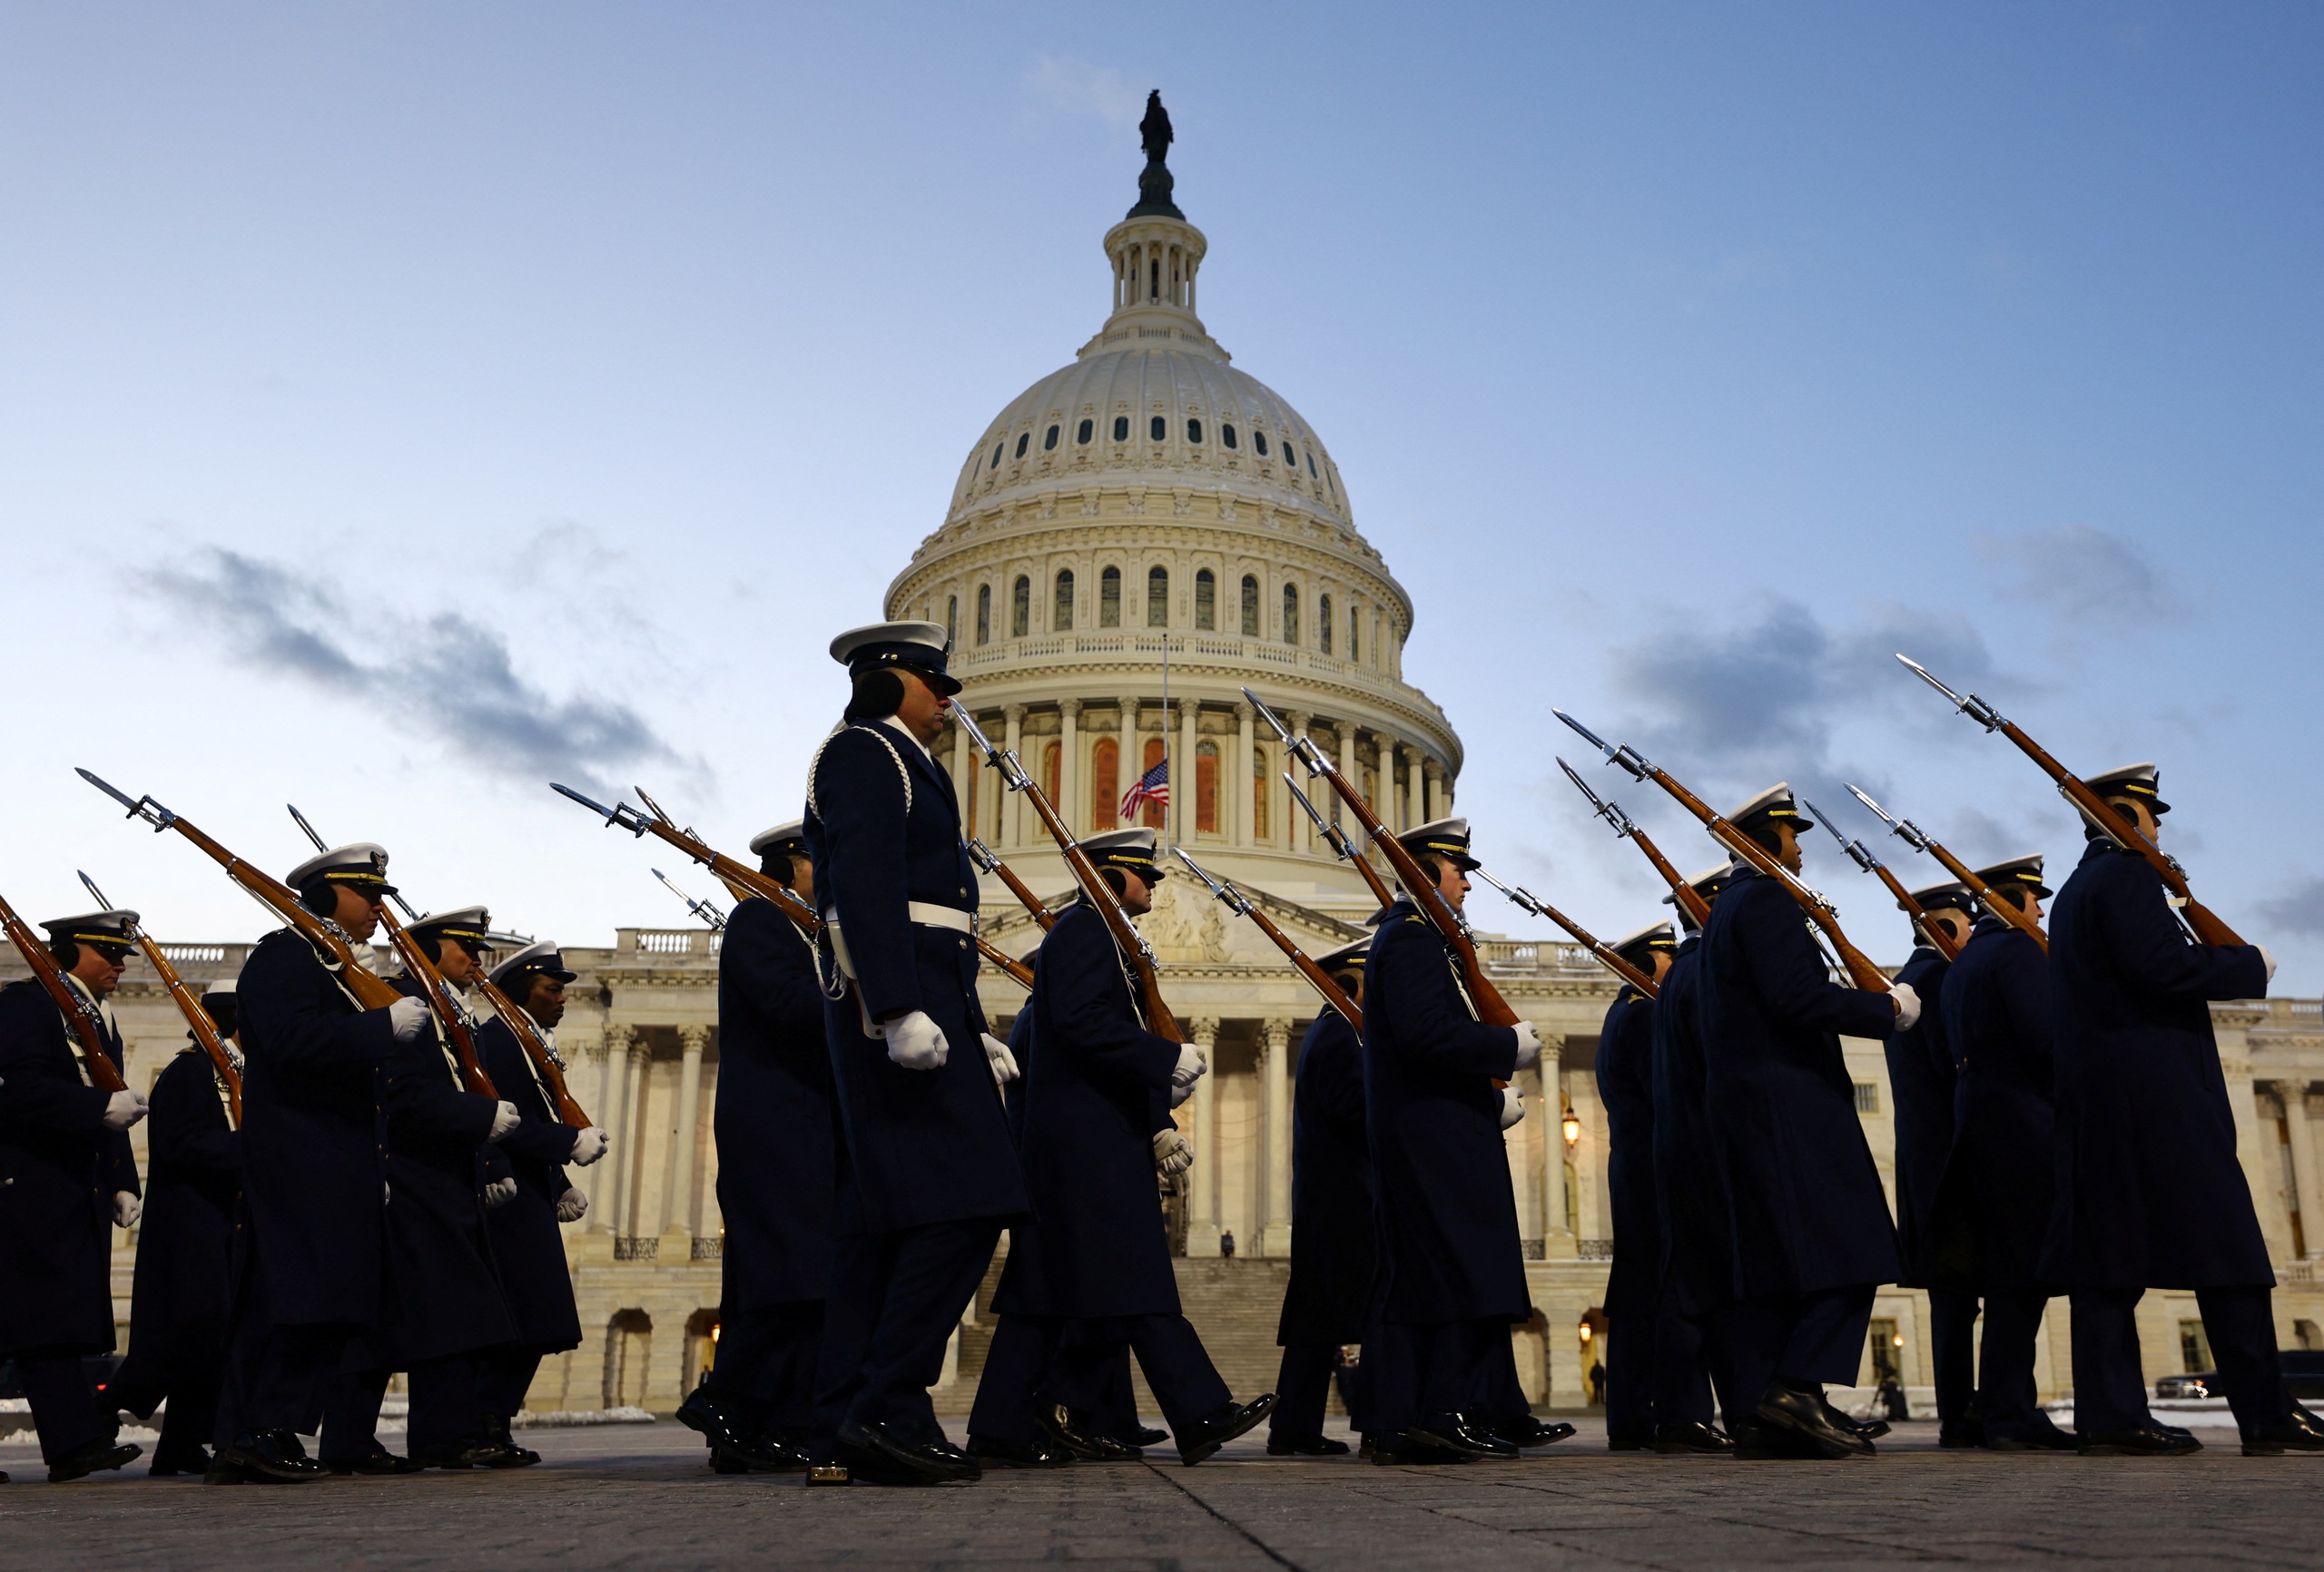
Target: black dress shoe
(2038,1435)
(2297,1431)
(91,1457)
(1961,1435)
(1805,1417)
(496,1431)
(1530,1431)
(933,1440)
(1396,1449)
(1458,1435)
(1869,1430)
(710,1416)
(1220,1426)
(1691,1437)
(2147,1440)
(996,1453)
(1060,1433)
(381,1462)
(1144,1436)
(1306,1447)
(885,1454)
(468,1452)
(167,1465)
(262,1458)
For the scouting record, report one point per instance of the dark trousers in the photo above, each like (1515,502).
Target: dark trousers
(190,1419)
(1688,1355)
(503,1376)
(2110,1387)
(766,1361)
(1953,1348)
(1303,1387)
(64,1411)
(1498,1395)
(1176,1366)
(1015,1379)
(1630,1380)
(447,1407)
(1422,1370)
(2008,1399)
(1802,1339)
(276,1376)
(895,1299)
(1112,1408)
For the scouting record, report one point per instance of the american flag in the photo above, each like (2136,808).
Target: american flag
(1154,787)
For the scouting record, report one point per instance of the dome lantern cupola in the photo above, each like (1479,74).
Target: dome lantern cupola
(1155,254)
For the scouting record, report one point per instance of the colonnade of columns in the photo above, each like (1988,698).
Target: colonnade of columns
(658,1179)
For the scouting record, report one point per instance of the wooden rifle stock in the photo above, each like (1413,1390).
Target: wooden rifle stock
(448,1014)
(1689,900)
(520,1025)
(1919,840)
(1606,955)
(1322,980)
(1939,936)
(103,1072)
(205,1030)
(982,856)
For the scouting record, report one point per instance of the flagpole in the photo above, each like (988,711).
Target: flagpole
(1168,774)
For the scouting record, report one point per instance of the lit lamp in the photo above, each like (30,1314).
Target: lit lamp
(1569,1126)
(1588,1331)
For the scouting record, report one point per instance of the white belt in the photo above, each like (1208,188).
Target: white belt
(928,913)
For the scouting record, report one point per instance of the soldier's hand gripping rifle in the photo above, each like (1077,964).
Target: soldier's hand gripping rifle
(987,862)
(1690,899)
(711,916)
(1240,904)
(1132,943)
(1336,839)
(1527,900)
(1860,969)
(83,1015)
(1919,840)
(453,1016)
(1937,933)
(222,1058)
(371,991)
(2206,923)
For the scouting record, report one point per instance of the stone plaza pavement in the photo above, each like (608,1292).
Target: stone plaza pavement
(640,1497)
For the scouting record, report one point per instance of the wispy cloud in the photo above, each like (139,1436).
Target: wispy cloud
(2087,575)
(452,677)
(1077,87)
(2299,910)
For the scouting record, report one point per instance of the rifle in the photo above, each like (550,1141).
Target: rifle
(740,878)
(1336,838)
(1860,969)
(103,1074)
(710,914)
(1690,899)
(420,969)
(1492,1008)
(1919,840)
(987,862)
(371,991)
(1525,899)
(1937,934)
(1132,943)
(205,1030)
(1237,902)
(2206,923)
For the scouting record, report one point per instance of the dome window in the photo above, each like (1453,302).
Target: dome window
(1086,430)
(1020,608)
(1109,598)
(1250,606)
(998,449)
(1226,436)
(1061,618)
(951,619)
(1193,430)
(1290,613)
(1288,455)
(1157,598)
(1259,441)
(1121,428)
(1311,464)
(1354,619)
(1324,621)
(984,613)
(1049,439)
(1161,429)
(1024,440)
(1206,601)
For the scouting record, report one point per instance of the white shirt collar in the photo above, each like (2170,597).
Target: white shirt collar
(900,730)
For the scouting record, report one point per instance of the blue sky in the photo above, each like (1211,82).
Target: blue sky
(406,403)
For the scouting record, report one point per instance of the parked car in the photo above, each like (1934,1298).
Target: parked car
(2303,1370)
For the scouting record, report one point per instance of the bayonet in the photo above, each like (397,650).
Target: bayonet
(701,909)
(1240,904)
(1905,829)
(1611,813)
(1919,840)
(1625,757)
(1529,901)
(1688,899)
(1339,841)
(1861,854)
(1969,704)
(144,808)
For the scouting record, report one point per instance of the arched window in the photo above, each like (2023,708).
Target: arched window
(1121,428)
(629,1350)
(1150,812)
(1259,441)
(1053,765)
(1024,440)
(1206,601)
(1260,780)
(1194,429)
(1104,783)
(1250,606)
(951,619)
(1226,434)
(1290,613)
(1083,432)
(1109,598)
(1049,439)
(1061,615)
(1324,621)
(1020,608)
(1354,621)
(997,448)
(984,613)
(1288,455)
(1206,788)
(1157,598)
(1311,464)
(1159,427)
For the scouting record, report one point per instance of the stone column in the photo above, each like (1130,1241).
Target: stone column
(2299,1115)
(963,764)
(1005,832)
(1347,759)
(612,1104)
(1068,762)
(1413,786)
(1434,771)
(677,1187)
(1133,765)
(1202,1199)
(1274,1093)
(1244,810)
(1186,794)
(1384,788)
(590,1181)
(1557,1239)
(1294,833)
(629,1179)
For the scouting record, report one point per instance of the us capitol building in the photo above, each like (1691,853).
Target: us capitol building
(1131,541)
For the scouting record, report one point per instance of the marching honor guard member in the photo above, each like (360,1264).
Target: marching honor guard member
(70,1180)
(1992,1211)
(1813,1237)
(312,1175)
(1454,1271)
(931,1178)
(1096,1252)
(1333,1252)
(183,1288)
(1633,1289)
(528,1244)
(1921,1083)
(777,1167)
(2151,1194)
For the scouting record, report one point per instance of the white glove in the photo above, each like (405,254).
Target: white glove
(2268,960)
(504,1118)
(1179,1094)
(1191,1065)
(499,1193)
(572,1206)
(1512,1106)
(915,1042)
(123,1109)
(1172,1154)
(589,1146)
(1003,1062)
(126,1209)
(1908,1005)
(406,1017)
(1528,1047)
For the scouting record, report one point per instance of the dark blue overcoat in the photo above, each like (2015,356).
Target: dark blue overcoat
(1101,1242)
(773,1121)
(2150,1192)
(1448,1213)
(527,1241)
(1625,1087)
(1806,1199)
(1690,1194)
(184,1286)
(1993,1212)
(1920,1107)
(60,1169)
(1332,1248)
(313,1171)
